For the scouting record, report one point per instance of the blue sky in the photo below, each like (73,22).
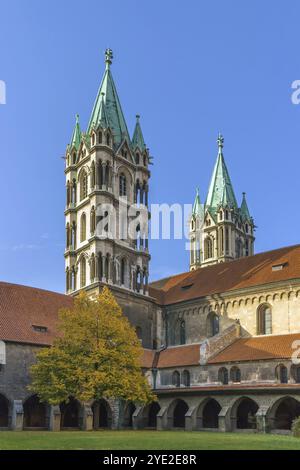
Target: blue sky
(191,69)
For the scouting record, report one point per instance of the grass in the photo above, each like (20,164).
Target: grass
(147,440)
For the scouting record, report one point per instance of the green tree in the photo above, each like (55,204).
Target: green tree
(97,355)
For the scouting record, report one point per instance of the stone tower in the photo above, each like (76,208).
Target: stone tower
(220,230)
(107,200)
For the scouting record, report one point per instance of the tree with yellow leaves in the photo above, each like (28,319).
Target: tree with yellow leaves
(97,355)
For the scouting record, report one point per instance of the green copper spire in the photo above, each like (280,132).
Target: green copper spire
(138,139)
(220,189)
(76,137)
(108,101)
(197,209)
(244,208)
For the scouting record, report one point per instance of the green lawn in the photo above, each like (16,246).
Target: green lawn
(132,440)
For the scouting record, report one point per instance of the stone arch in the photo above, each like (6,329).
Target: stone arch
(4,411)
(70,413)
(102,414)
(176,413)
(150,413)
(208,413)
(128,415)
(243,413)
(282,413)
(35,413)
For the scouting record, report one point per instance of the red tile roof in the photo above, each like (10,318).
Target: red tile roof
(258,348)
(223,277)
(179,356)
(22,307)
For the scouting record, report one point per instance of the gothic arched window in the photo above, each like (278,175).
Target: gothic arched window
(123,271)
(100,137)
(213,324)
(208,248)
(83,185)
(122,185)
(264,320)
(176,379)
(182,332)
(223,376)
(83,227)
(235,374)
(139,332)
(108,139)
(92,268)
(186,378)
(82,272)
(137,158)
(282,374)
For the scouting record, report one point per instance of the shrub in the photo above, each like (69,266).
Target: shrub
(296,427)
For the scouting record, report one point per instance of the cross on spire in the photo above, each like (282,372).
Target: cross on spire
(108,57)
(220,141)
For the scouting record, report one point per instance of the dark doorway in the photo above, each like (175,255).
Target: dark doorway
(211,414)
(3,412)
(287,411)
(180,411)
(101,414)
(245,414)
(70,414)
(128,415)
(154,408)
(34,413)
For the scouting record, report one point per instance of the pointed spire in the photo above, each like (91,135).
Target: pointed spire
(138,139)
(114,114)
(244,208)
(103,121)
(76,137)
(197,209)
(220,189)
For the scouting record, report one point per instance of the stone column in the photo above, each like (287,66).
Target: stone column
(191,419)
(103,175)
(54,418)
(138,418)
(103,268)
(96,268)
(224,419)
(162,419)
(261,419)
(17,416)
(86,417)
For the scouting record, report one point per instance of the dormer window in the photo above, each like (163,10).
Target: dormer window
(279,267)
(74,158)
(40,329)
(226,215)
(137,158)
(221,215)
(247,228)
(108,140)
(145,160)
(100,137)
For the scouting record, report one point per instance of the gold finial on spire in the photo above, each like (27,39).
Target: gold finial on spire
(108,57)
(220,141)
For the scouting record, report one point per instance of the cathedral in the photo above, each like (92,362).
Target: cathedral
(220,341)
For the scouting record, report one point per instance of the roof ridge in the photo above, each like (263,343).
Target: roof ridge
(12,284)
(213,266)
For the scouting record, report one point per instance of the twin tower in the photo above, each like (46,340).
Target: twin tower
(107,170)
